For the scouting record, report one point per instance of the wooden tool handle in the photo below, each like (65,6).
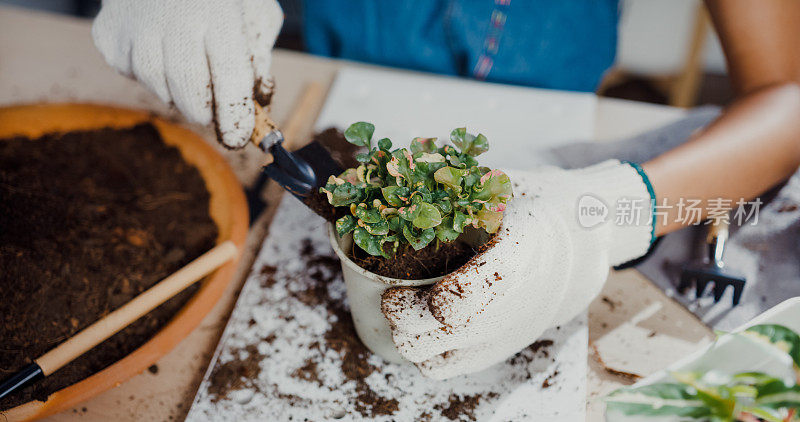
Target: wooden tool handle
(302,115)
(115,321)
(717,229)
(300,118)
(264,125)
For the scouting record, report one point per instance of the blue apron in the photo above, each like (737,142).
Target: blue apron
(559,44)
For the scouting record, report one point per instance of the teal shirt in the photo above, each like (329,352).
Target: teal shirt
(558,44)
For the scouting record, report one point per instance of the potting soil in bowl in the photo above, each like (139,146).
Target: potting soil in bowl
(88,220)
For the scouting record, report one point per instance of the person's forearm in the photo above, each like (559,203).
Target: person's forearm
(753,146)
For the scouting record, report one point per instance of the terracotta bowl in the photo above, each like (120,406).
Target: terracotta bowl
(228,209)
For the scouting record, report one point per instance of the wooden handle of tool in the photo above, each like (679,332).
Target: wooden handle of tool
(264,125)
(299,118)
(717,229)
(302,115)
(115,321)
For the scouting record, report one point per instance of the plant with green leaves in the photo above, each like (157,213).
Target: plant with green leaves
(414,196)
(717,396)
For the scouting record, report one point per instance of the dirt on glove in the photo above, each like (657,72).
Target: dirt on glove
(88,220)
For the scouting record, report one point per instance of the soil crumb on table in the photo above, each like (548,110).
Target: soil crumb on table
(235,374)
(461,407)
(88,220)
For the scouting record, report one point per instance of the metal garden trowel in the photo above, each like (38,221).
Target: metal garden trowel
(300,172)
(712,269)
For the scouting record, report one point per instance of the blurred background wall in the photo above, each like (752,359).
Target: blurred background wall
(667,53)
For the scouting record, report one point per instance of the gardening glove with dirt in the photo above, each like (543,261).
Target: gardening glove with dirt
(209,58)
(550,258)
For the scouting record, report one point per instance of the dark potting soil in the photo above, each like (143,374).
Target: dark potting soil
(318,203)
(88,220)
(344,153)
(408,264)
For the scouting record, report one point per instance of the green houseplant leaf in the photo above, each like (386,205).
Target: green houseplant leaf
(423,145)
(719,396)
(360,134)
(665,399)
(395,195)
(345,225)
(779,336)
(446,232)
(428,216)
(366,214)
(450,177)
(369,243)
(343,194)
(418,241)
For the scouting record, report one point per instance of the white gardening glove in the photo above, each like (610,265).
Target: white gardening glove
(543,268)
(210,58)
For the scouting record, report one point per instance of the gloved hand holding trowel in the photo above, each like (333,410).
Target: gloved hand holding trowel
(211,59)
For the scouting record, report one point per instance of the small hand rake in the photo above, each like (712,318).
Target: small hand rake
(712,269)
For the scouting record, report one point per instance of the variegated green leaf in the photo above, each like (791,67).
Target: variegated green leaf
(423,145)
(777,394)
(428,216)
(446,231)
(368,215)
(779,336)
(665,399)
(450,177)
(379,228)
(409,213)
(360,134)
(494,186)
(420,240)
(395,195)
(345,225)
(369,243)
(344,194)
(489,220)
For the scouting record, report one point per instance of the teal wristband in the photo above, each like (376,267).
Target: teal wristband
(652,193)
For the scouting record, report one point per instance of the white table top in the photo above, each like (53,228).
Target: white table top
(44,57)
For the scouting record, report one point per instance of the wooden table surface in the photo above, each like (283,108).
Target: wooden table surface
(633,326)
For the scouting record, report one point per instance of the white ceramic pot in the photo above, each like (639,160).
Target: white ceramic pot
(364,290)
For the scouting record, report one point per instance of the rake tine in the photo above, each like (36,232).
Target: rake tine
(738,288)
(719,290)
(700,286)
(686,283)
